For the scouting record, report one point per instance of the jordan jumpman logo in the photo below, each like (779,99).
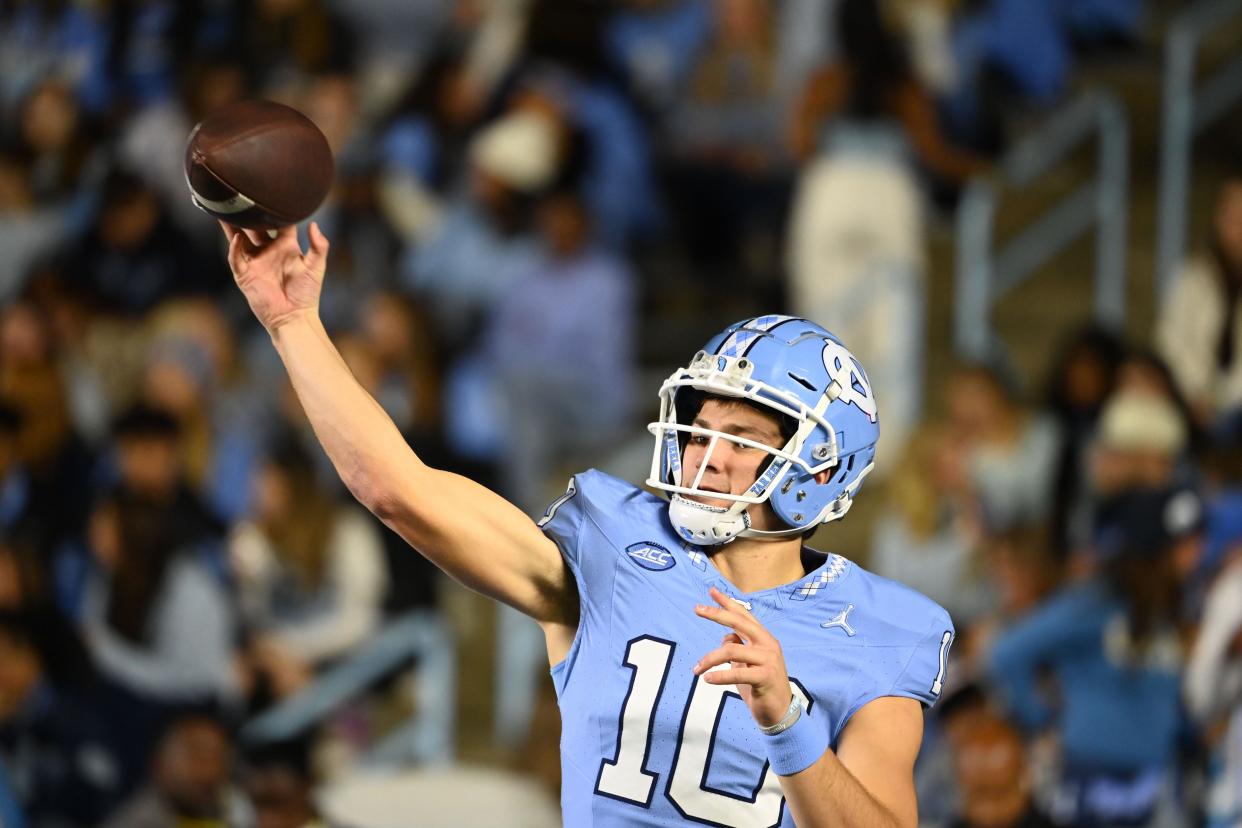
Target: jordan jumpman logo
(840,621)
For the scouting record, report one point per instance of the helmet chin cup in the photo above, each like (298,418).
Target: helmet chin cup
(705,525)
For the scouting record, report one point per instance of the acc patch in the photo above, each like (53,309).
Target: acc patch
(651,556)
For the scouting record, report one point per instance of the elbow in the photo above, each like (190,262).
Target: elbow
(372,493)
(381,501)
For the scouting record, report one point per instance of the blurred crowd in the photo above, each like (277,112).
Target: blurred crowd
(540,204)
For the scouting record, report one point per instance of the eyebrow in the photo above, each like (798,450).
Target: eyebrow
(739,430)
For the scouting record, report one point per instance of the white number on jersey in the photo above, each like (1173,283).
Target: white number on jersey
(627,778)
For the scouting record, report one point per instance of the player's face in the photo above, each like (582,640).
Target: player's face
(731,468)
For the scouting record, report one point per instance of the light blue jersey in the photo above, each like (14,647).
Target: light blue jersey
(645,742)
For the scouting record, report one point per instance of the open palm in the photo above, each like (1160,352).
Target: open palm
(279,281)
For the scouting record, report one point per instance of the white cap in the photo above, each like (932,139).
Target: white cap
(1142,422)
(519,150)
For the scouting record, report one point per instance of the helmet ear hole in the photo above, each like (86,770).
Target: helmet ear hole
(844,471)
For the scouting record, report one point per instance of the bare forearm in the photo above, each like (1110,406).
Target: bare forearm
(360,439)
(472,534)
(827,794)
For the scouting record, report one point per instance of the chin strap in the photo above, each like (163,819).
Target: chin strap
(705,525)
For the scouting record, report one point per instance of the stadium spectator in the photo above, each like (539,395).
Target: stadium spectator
(652,45)
(856,236)
(148,464)
(29,231)
(56,752)
(62,155)
(930,534)
(44,38)
(152,142)
(283,42)
(1212,684)
(407,381)
(1111,646)
(727,174)
(133,257)
(279,785)
(468,258)
(1081,378)
(1196,329)
(422,145)
(221,404)
(190,780)
(1010,449)
(590,401)
(55,462)
(1138,443)
(155,613)
(615,160)
(993,779)
(310,573)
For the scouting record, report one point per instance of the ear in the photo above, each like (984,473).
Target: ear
(824,476)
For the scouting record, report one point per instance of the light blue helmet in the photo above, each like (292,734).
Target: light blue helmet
(799,371)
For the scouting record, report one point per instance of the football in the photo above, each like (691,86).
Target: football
(258,164)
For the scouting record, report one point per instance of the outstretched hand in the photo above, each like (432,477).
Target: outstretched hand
(280,282)
(756,663)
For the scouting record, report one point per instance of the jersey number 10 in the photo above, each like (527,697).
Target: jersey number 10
(627,776)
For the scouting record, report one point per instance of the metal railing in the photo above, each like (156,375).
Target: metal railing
(1188,110)
(984,274)
(418,637)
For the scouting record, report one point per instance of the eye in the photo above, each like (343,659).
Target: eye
(699,439)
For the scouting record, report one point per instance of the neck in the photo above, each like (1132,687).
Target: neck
(753,565)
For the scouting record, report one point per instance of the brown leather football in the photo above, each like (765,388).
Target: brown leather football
(258,164)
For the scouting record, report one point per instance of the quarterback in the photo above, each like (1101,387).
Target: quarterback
(710,669)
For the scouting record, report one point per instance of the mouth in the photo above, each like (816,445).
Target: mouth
(704,496)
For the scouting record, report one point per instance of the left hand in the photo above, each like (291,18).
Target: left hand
(757,664)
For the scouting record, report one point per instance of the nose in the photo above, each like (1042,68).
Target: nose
(706,461)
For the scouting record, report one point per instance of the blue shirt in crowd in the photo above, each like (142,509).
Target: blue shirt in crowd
(1118,710)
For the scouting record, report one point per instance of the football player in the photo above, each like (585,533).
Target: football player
(710,669)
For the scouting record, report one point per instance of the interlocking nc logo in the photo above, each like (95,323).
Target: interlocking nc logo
(651,556)
(840,621)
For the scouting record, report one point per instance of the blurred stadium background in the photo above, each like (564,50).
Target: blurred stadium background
(1025,217)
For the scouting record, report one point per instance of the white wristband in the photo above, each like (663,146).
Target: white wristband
(786,722)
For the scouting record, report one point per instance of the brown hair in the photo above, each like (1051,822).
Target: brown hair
(1151,591)
(300,537)
(146,541)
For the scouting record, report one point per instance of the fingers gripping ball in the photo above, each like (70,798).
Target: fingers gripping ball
(258,164)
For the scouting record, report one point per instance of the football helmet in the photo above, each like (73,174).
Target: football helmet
(796,370)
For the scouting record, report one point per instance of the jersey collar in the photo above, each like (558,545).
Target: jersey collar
(808,589)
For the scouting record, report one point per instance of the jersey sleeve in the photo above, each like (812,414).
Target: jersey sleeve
(584,523)
(910,660)
(927,669)
(562,522)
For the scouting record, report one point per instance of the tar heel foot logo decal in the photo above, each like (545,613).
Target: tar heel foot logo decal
(841,620)
(650,556)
